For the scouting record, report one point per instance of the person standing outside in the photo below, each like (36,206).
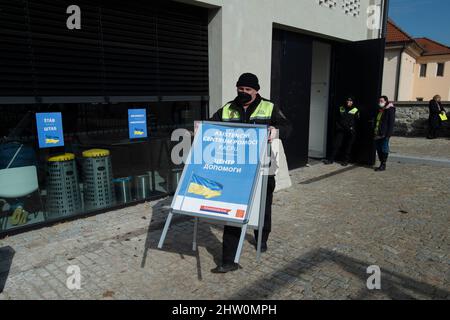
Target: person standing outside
(250,107)
(434,119)
(384,128)
(345,131)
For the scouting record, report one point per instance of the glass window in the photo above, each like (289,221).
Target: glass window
(423,70)
(440,69)
(97,168)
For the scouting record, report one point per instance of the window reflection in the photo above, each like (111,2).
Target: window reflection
(98,168)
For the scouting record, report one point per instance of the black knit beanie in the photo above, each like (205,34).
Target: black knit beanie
(248,80)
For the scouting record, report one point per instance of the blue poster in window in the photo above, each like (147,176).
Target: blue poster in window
(137,123)
(50,129)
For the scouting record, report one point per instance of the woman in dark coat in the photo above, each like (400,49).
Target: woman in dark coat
(434,120)
(384,128)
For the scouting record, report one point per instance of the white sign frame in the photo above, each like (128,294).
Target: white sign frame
(255,215)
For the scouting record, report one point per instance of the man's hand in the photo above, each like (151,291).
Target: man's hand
(272,133)
(196,125)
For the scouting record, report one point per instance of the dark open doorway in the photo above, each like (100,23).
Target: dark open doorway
(358,71)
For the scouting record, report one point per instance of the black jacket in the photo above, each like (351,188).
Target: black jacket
(346,121)
(435,109)
(278,119)
(386,128)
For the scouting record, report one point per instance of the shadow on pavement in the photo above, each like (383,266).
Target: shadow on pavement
(394,285)
(6,258)
(180,235)
(328,175)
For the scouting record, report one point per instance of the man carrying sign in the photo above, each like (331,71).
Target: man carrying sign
(250,107)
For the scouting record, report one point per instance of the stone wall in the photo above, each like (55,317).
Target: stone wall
(412,119)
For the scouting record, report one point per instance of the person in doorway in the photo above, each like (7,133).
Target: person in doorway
(434,119)
(345,131)
(384,128)
(250,107)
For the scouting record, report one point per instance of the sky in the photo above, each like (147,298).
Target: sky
(423,18)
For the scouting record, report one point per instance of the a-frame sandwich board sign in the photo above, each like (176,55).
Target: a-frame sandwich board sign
(224,180)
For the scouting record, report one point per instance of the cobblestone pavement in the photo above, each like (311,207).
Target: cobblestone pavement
(327,229)
(422,147)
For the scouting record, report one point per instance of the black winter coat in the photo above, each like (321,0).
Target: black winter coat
(347,121)
(435,108)
(386,128)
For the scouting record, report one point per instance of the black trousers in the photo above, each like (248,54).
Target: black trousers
(434,124)
(231,235)
(432,131)
(341,138)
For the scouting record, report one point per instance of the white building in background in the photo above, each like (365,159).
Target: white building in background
(246,36)
(415,68)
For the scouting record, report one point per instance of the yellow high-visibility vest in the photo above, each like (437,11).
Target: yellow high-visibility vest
(353,111)
(378,122)
(262,112)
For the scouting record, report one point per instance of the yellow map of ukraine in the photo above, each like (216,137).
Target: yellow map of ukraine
(138,132)
(204,187)
(51,140)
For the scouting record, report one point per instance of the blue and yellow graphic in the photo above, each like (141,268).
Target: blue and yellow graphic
(138,132)
(50,129)
(204,187)
(51,140)
(137,123)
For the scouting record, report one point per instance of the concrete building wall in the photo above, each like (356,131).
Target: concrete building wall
(398,61)
(241,35)
(431,85)
(391,65)
(407,72)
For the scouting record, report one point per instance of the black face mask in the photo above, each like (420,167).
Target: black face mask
(242,98)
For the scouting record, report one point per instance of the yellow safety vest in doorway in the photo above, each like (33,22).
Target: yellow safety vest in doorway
(262,112)
(353,111)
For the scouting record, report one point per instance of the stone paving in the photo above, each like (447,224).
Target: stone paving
(328,228)
(421,147)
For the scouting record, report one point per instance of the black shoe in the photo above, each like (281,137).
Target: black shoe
(263,247)
(344,164)
(382,167)
(226,268)
(263,243)
(327,162)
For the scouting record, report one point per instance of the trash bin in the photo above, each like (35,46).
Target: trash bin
(142,186)
(122,188)
(174,176)
(63,191)
(98,186)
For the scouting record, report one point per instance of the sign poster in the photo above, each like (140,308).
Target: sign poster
(50,129)
(137,123)
(219,178)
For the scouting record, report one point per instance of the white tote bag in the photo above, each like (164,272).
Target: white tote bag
(282,177)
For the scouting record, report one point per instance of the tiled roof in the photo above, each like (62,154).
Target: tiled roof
(432,47)
(395,34)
